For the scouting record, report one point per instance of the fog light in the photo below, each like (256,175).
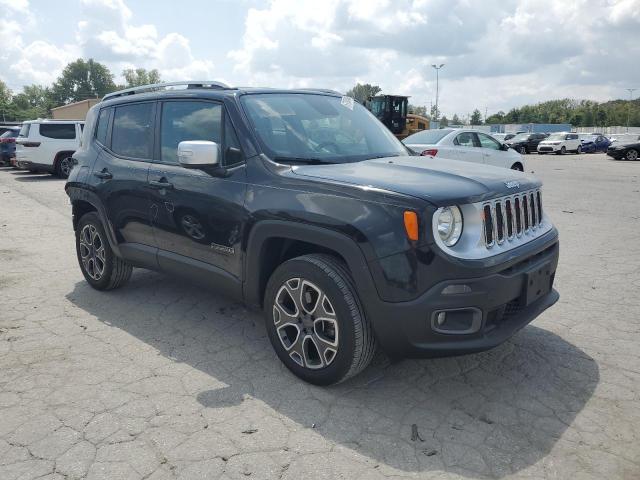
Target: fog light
(457,321)
(456,289)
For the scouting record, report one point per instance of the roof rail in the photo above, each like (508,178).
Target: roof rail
(161,86)
(323,90)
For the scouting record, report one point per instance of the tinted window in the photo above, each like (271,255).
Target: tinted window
(487,142)
(10,134)
(132,134)
(183,121)
(465,139)
(430,137)
(60,131)
(103,126)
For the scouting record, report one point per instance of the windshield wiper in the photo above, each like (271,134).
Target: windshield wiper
(303,160)
(383,156)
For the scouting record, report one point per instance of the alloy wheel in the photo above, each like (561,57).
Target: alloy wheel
(193,227)
(632,155)
(306,323)
(66,164)
(92,252)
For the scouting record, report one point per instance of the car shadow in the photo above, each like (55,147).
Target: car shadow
(484,415)
(37,177)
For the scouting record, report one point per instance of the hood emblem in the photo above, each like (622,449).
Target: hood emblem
(512,184)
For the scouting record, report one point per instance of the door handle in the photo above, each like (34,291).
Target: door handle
(104,174)
(160,184)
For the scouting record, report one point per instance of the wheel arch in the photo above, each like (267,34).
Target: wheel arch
(60,155)
(273,242)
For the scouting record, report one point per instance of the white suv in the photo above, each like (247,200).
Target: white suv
(561,143)
(47,145)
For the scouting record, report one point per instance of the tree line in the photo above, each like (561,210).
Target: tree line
(80,80)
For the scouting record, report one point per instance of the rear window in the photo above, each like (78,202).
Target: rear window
(427,136)
(132,131)
(10,134)
(59,131)
(24,130)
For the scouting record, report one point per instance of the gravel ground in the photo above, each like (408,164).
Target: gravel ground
(162,379)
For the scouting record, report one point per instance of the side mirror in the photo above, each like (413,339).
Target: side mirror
(505,147)
(198,154)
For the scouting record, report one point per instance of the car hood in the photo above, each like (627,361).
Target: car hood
(441,182)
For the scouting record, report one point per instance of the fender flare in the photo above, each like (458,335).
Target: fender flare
(82,194)
(323,237)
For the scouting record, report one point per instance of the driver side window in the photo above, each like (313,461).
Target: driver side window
(487,142)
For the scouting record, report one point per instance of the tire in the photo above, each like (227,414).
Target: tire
(579,150)
(347,340)
(63,167)
(563,150)
(522,150)
(90,234)
(631,155)
(517,166)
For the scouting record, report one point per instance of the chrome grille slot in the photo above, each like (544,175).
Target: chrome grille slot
(506,219)
(508,207)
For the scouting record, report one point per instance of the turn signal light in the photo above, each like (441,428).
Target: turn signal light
(411,225)
(430,152)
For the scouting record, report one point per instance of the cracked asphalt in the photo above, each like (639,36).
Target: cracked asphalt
(162,379)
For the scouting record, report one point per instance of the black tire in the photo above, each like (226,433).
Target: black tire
(517,166)
(631,155)
(563,150)
(579,149)
(355,343)
(523,150)
(115,272)
(64,166)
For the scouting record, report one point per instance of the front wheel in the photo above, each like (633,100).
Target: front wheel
(102,269)
(522,150)
(517,166)
(315,321)
(64,166)
(632,155)
(563,150)
(579,149)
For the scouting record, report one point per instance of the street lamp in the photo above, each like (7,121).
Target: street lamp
(437,67)
(630,90)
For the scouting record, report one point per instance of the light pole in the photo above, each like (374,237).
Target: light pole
(630,90)
(437,67)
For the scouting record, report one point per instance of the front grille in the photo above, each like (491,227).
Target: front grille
(511,217)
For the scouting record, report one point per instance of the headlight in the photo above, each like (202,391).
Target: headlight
(449,222)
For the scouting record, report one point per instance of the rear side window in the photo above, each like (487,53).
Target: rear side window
(132,131)
(465,139)
(24,130)
(103,126)
(188,120)
(59,131)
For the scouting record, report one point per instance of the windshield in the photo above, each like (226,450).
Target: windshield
(556,136)
(520,137)
(318,128)
(428,137)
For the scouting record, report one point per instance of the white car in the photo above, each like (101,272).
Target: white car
(466,145)
(47,145)
(561,143)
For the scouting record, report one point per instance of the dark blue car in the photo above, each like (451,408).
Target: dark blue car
(8,144)
(595,143)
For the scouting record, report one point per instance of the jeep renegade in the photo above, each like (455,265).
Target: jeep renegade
(301,203)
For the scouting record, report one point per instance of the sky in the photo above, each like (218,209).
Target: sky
(497,54)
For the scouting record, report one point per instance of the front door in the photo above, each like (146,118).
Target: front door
(197,216)
(492,152)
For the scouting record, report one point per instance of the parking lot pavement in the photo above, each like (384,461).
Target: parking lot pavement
(162,379)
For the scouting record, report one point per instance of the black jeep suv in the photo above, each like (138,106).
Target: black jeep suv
(300,202)
(526,142)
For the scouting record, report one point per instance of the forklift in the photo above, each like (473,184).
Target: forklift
(391,110)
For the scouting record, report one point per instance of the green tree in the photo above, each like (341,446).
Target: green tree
(362,92)
(7,112)
(476,117)
(456,120)
(81,80)
(140,76)
(33,102)
(444,121)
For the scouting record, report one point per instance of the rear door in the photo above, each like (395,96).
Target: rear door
(467,147)
(197,215)
(125,134)
(492,153)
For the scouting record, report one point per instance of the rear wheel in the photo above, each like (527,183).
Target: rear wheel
(315,321)
(517,166)
(522,150)
(631,155)
(102,269)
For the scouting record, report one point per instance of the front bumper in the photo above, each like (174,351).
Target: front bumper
(617,154)
(408,329)
(548,148)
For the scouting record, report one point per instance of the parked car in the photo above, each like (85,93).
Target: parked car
(560,143)
(301,203)
(499,136)
(8,144)
(464,144)
(593,143)
(624,152)
(526,142)
(48,145)
(624,138)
